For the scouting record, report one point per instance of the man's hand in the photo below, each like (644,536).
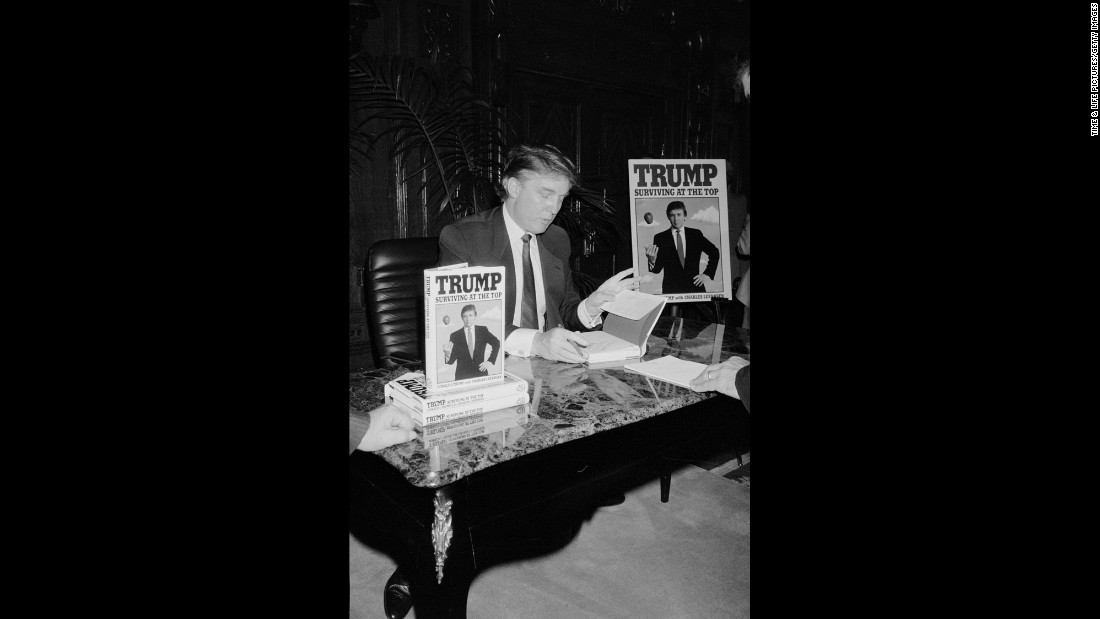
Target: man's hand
(447,348)
(720,377)
(701,280)
(556,345)
(485,366)
(607,291)
(388,426)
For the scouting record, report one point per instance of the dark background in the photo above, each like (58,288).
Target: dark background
(603,81)
(910,166)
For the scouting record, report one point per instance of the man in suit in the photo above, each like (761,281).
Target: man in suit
(543,310)
(677,251)
(467,347)
(542,306)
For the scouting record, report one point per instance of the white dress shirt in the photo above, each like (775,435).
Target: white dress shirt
(520,342)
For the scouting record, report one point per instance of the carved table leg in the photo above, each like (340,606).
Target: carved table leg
(439,580)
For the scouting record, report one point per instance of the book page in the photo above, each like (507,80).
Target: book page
(632,304)
(604,346)
(672,369)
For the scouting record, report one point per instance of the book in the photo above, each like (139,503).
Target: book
(695,193)
(629,322)
(670,369)
(463,327)
(412,388)
(436,434)
(410,391)
(466,410)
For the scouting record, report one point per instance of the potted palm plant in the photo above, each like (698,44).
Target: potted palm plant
(448,140)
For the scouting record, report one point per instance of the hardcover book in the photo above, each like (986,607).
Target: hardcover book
(410,391)
(629,322)
(463,327)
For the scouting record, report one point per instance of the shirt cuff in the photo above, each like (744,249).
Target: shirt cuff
(587,320)
(520,342)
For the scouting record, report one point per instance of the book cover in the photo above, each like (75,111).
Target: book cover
(626,328)
(413,390)
(681,233)
(463,327)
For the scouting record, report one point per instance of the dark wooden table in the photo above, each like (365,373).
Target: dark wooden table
(446,513)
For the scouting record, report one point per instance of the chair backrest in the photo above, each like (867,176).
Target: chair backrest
(394,290)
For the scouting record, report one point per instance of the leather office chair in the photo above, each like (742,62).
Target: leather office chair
(394,297)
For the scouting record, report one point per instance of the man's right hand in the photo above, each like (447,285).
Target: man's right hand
(555,345)
(447,348)
(651,254)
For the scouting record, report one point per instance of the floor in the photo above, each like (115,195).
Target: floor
(642,559)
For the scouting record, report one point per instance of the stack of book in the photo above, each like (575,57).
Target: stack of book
(462,428)
(411,393)
(464,390)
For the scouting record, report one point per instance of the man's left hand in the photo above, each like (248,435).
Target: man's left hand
(485,366)
(607,291)
(701,280)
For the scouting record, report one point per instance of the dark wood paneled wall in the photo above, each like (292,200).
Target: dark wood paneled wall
(604,80)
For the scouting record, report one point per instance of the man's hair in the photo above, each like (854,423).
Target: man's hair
(465,308)
(675,204)
(539,159)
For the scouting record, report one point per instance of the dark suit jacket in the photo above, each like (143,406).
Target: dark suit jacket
(741,381)
(359,422)
(468,364)
(481,239)
(677,278)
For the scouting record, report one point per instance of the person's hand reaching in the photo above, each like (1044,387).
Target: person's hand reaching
(720,377)
(389,425)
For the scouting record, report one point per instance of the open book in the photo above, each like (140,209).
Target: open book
(626,328)
(672,369)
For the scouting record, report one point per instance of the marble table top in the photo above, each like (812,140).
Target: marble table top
(568,402)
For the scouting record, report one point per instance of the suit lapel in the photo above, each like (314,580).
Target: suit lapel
(552,276)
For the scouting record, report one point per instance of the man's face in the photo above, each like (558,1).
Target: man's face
(676,217)
(468,317)
(534,202)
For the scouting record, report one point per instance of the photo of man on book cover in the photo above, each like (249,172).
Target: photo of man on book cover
(688,263)
(472,349)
